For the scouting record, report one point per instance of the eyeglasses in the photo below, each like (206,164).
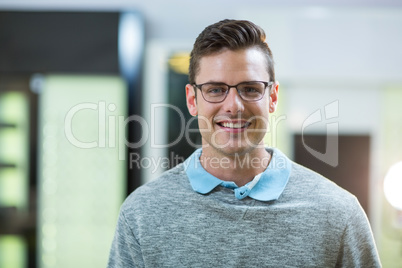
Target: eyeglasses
(249,91)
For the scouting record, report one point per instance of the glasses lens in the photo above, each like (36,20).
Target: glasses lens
(251,91)
(214,92)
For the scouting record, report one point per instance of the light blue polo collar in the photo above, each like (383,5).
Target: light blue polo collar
(266,186)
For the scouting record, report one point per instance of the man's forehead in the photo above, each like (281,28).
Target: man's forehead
(251,60)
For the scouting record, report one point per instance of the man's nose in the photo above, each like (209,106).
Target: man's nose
(233,102)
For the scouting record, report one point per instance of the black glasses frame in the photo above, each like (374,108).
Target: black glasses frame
(267,84)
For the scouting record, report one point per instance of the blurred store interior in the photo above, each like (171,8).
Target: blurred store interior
(92,106)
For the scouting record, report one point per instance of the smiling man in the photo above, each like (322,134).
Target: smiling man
(233,119)
(234,202)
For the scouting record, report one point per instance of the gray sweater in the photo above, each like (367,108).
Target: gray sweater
(314,223)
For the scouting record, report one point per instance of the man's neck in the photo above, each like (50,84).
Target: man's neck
(239,168)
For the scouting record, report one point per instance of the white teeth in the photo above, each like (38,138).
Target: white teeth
(232,125)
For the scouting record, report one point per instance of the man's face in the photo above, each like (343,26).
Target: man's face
(233,126)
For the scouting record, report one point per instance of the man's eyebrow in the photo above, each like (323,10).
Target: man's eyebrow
(212,81)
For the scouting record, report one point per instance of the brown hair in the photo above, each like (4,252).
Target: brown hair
(232,35)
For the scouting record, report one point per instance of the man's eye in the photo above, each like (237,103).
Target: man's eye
(250,90)
(215,90)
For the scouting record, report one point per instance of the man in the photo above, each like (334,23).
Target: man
(233,202)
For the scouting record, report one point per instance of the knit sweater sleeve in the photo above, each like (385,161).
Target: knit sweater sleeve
(357,246)
(125,250)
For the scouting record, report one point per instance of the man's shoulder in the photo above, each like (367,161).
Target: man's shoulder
(165,185)
(166,178)
(319,188)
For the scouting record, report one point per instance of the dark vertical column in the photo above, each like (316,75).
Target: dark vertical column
(130,51)
(33,179)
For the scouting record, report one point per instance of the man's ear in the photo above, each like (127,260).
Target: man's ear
(273,97)
(191,100)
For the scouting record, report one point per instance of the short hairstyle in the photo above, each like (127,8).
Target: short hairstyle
(233,35)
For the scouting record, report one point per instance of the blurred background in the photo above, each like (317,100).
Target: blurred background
(92,106)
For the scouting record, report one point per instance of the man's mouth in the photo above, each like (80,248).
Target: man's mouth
(234,125)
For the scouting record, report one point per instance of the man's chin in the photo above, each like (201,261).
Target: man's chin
(236,149)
